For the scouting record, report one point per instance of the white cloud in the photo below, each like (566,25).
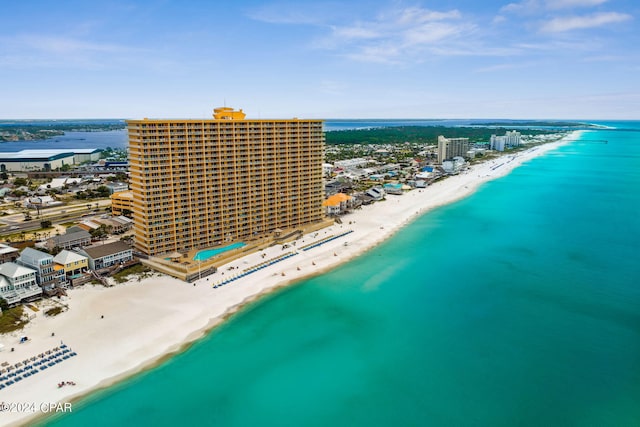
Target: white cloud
(605,58)
(296,13)
(58,51)
(577,45)
(382,53)
(355,32)
(526,7)
(566,4)
(506,66)
(498,19)
(399,36)
(65,45)
(413,15)
(432,32)
(569,23)
(523,7)
(406,35)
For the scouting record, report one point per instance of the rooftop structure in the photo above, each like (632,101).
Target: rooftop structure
(337,204)
(201,183)
(453,166)
(8,253)
(72,263)
(122,203)
(107,255)
(228,113)
(351,163)
(45,159)
(66,257)
(18,283)
(116,187)
(376,193)
(71,239)
(46,275)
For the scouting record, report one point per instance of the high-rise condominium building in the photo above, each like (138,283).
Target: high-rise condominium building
(452,147)
(510,139)
(200,183)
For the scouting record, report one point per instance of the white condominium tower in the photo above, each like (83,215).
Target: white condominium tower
(510,139)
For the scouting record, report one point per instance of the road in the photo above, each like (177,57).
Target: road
(15,223)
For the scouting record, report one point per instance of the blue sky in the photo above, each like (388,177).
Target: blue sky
(571,59)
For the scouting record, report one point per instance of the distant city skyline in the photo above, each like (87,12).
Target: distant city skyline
(528,59)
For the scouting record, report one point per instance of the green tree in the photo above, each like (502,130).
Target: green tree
(103,191)
(101,231)
(4,305)
(19,182)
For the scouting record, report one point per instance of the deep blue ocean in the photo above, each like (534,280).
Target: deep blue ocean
(517,306)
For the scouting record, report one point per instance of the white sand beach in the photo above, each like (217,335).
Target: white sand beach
(127,328)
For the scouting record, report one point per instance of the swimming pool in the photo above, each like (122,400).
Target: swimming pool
(208,253)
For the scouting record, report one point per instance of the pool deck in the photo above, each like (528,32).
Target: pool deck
(215,251)
(185,267)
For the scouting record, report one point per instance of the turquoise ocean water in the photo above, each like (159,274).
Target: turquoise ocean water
(518,306)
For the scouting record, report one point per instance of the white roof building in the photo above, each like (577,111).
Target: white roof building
(47,159)
(18,283)
(351,163)
(59,183)
(67,257)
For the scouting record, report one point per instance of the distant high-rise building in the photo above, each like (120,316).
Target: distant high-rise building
(452,147)
(510,139)
(200,183)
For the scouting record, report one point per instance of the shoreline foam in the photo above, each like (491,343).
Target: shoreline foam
(163,316)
